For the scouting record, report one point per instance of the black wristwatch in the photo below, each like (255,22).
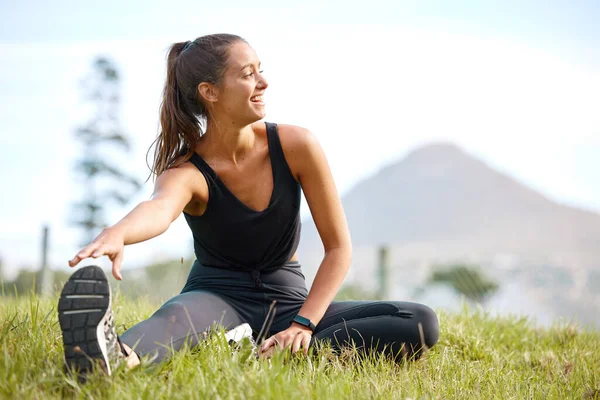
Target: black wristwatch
(304,322)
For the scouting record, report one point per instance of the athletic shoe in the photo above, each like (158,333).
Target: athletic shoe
(237,335)
(86,320)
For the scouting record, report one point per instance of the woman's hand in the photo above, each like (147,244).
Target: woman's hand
(110,242)
(296,336)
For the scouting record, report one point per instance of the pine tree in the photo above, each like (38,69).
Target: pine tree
(103,182)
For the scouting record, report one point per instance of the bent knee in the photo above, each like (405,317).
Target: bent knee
(429,327)
(424,318)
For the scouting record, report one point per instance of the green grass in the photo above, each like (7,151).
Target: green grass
(478,356)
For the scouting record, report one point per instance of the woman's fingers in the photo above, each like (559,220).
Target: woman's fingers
(83,254)
(280,341)
(302,341)
(267,344)
(116,269)
(96,250)
(275,342)
(99,252)
(74,261)
(306,342)
(297,343)
(267,352)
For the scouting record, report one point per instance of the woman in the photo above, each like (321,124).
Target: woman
(238,185)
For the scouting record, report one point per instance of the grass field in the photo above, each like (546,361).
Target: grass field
(477,357)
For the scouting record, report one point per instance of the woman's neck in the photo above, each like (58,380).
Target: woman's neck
(225,141)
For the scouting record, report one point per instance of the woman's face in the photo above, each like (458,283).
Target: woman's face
(241,89)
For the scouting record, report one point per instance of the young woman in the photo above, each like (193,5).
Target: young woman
(237,180)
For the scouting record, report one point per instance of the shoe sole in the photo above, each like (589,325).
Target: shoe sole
(84,309)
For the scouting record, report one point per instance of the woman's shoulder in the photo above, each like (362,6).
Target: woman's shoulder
(294,137)
(299,147)
(291,134)
(186,174)
(187,181)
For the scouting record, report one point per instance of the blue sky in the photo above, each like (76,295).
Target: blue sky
(514,83)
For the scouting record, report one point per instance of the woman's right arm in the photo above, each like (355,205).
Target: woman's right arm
(174,189)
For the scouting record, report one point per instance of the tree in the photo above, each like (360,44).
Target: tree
(25,282)
(103,182)
(466,280)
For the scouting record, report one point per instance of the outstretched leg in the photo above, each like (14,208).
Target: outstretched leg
(396,328)
(185,317)
(89,336)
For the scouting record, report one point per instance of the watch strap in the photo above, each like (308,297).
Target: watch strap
(304,322)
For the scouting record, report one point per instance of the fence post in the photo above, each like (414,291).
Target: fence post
(384,273)
(45,285)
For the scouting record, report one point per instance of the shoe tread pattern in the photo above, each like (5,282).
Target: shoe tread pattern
(79,329)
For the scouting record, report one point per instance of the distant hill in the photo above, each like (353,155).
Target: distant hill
(440,204)
(439,193)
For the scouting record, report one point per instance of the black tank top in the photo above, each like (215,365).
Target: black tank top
(233,236)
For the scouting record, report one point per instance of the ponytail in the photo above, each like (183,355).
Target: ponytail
(179,127)
(182,111)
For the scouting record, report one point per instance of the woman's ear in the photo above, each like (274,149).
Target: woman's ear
(208,92)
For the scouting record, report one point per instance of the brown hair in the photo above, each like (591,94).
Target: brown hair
(182,112)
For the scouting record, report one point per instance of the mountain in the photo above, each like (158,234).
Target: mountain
(440,204)
(440,193)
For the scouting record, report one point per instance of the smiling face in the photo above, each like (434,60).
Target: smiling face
(238,96)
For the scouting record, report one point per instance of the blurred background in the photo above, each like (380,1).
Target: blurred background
(463,137)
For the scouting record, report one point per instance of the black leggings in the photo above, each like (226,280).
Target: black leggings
(213,296)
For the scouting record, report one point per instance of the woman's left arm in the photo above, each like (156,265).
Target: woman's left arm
(309,165)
